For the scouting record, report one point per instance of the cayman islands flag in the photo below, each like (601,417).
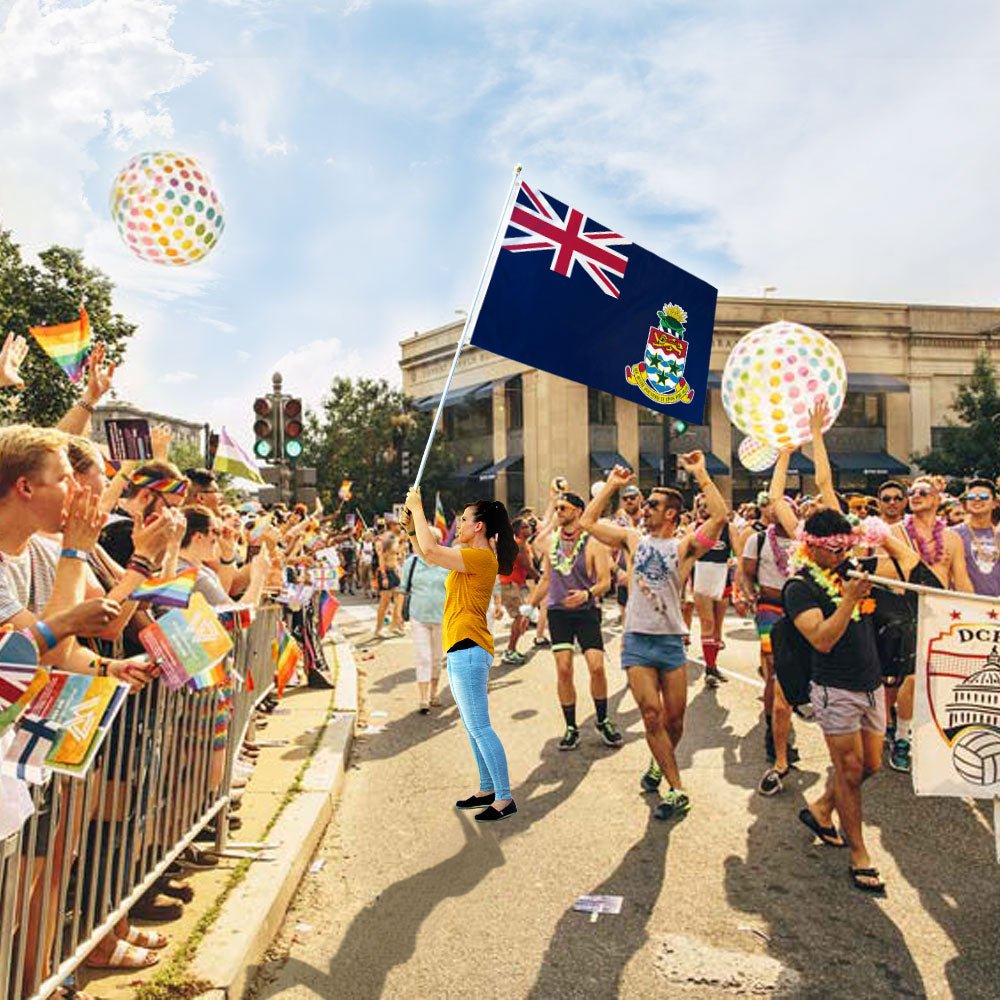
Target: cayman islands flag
(570,296)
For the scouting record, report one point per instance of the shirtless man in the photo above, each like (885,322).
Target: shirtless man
(942,551)
(389,560)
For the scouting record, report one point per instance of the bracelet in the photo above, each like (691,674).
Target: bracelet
(74,554)
(45,631)
(227,562)
(89,407)
(102,667)
(139,566)
(703,539)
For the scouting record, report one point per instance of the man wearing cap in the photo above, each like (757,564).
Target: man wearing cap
(576,573)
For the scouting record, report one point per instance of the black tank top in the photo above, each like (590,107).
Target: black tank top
(719,553)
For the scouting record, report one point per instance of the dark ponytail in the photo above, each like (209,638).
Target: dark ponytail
(494,516)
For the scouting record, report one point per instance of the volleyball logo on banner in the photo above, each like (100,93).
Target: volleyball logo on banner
(957,714)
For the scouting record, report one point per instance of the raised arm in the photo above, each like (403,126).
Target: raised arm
(693,545)
(76,420)
(780,507)
(824,474)
(432,551)
(607,531)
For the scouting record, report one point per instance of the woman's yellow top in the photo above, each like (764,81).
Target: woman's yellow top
(467,599)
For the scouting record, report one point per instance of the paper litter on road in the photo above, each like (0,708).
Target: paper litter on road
(372,730)
(317,866)
(303,928)
(379,714)
(599,904)
(272,743)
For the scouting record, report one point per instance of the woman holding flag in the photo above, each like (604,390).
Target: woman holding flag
(485,544)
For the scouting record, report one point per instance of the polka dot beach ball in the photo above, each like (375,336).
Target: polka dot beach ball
(755,455)
(166,209)
(773,377)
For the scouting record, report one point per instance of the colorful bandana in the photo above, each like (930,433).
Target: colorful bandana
(175,486)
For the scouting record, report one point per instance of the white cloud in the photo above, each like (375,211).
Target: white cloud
(220,324)
(826,153)
(355,7)
(178,378)
(243,356)
(259,89)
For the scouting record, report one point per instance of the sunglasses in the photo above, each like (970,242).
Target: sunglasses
(920,491)
(655,504)
(892,498)
(984,495)
(565,506)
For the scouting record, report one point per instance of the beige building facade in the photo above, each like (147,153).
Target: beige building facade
(512,428)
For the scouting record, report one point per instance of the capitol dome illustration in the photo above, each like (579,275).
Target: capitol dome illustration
(976,700)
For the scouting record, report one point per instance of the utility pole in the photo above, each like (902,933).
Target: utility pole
(665,456)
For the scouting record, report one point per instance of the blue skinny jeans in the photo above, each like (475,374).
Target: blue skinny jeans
(468,670)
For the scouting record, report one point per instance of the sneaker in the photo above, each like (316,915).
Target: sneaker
(571,739)
(674,804)
(513,658)
(610,734)
(771,784)
(650,781)
(899,758)
(713,678)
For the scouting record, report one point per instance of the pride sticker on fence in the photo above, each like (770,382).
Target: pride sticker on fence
(956,747)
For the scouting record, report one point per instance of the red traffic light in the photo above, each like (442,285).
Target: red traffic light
(293,409)
(262,406)
(262,428)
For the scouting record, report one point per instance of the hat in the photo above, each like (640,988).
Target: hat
(574,499)
(630,491)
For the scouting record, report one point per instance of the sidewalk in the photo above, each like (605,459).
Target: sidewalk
(287,802)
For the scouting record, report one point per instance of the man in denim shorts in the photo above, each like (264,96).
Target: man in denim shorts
(832,613)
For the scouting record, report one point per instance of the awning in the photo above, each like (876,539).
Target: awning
(607,460)
(802,464)
(860,382)
(492,471)
(715,380)
(461,475)
(714,465)
(868,463)
(650,458)
(464,394)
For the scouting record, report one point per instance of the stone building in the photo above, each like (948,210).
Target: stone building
(185,431)
(513,428)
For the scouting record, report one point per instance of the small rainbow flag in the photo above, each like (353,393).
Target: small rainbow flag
(287,655)
(111,468)
(440,521)
(67,344)
(215,676)
(171,591)
(328,605)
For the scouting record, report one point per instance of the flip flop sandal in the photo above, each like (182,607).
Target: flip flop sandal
(151,907)
(828,834)
(857,874)
(142,938)
(175,890)
(126,956)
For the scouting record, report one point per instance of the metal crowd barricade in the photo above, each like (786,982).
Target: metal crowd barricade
(95,845)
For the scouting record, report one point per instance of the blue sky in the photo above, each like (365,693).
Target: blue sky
(363,150)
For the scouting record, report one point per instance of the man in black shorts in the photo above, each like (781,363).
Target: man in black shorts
(576,574)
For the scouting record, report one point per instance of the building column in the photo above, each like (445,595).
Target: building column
(920,414)
(556,433)
(898,440)
(627,418)
(500,438)
(534,488)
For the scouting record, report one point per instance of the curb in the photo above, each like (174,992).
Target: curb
(233,947)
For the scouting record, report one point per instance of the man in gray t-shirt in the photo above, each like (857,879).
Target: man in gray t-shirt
(653,645)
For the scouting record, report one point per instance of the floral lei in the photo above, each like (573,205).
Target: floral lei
(562,563)
(831,585)
(780,554)
(930,556)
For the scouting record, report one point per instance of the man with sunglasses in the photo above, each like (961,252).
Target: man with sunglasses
(576,573)
(653,653)
(980,538)
(941,550)
(892,502)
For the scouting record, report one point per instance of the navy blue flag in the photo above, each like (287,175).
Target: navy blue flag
(570,297)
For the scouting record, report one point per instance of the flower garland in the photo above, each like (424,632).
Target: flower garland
(562,563)
(930,556)
(779,552)
(832,585)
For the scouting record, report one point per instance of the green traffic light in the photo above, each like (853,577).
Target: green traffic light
(262,449)
(680,426)
(293,448)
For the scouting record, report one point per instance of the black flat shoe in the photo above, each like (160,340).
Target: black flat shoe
(476,801)
(490,815)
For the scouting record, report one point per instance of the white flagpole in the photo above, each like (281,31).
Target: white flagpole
(470,318)
(884,581)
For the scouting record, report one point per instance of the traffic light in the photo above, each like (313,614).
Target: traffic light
(292,416)
(264,428)
(680,426)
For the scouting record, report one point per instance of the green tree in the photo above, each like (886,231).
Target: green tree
(45,294)
(972,447)
(361,433)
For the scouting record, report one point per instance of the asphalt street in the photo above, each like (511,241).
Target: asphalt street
(412,898)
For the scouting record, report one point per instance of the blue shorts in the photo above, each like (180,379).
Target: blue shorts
(641,649)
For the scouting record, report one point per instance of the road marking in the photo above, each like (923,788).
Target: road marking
(735,674)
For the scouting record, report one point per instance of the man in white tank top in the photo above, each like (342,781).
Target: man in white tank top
(653,645)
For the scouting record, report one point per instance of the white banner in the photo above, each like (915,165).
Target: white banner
(956,719)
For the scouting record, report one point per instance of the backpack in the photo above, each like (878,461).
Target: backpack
(793,656)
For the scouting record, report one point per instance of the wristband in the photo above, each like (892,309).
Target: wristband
(703,539)
(74,554)
(102,667)
(142,568)
(89,407)
(45,631)
(227,562)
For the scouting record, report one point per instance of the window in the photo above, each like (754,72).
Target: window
(601,407)
(862,409)
(513,399)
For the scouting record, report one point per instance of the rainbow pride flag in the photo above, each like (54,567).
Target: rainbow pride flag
(440,521)
(171,591)
(67,344)
(287,654)
(328,605)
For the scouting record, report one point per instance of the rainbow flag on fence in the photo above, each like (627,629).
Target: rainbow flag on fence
(67,344)
(328,605)
(286,653)
(440,521)
(172,591)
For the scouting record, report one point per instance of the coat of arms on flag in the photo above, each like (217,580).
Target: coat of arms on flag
(660,375)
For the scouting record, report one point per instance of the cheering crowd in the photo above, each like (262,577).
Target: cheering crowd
(833,648)
(78,535)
